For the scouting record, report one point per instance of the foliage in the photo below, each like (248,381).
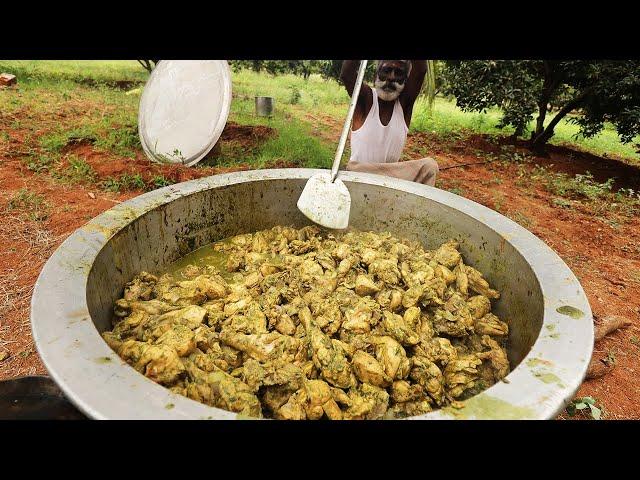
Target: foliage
(595,91)
(581,404)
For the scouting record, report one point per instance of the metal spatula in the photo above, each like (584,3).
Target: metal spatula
(325,199)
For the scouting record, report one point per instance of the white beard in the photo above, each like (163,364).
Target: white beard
(386,95)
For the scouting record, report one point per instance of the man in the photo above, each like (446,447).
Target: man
(382,117)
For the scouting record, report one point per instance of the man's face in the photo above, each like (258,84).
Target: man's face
(391,77)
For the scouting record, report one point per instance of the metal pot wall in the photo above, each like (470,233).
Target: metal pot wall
(551,328)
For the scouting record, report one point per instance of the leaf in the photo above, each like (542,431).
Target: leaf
(581,406)
(589,400)
(595,412)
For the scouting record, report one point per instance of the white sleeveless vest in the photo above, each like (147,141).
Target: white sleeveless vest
(374,142)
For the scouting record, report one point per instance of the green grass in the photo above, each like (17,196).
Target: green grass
(56,105)
(101,71)
(78,171)
(290,89)
(33,203)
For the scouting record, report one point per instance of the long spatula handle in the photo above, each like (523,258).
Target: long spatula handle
(347,123)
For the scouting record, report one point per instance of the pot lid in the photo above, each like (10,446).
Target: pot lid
(183,109)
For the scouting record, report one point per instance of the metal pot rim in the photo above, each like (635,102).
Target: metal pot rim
(103,386)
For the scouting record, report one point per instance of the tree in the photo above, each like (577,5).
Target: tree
(148,65)
(595,91)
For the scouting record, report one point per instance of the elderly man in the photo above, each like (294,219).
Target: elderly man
(382,117)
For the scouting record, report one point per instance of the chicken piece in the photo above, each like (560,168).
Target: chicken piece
(409,409)
(319,400)
(425,329)
(327,356)
(285,325)
(367,402)
(403,391)
(160,363)
(126,326)
(309,369)
(187,292)
(278,372)
(263,346)
(113,340)
(429,377)
(275,397)
(326,261)
(462,282)
(479,306)
(438,350)
(269,268)
(448,255)
(214,287)
(495,359)
(368,370)
(252,280)
(152,307)
(236,307)
(395,326)
(293,409)
(342,251)
(217,356)
(340,397)
(327,314)
(392,356)
(219,389)
(478,284)
(456,324)
(365,286)
(369,255)
(180,338)
(443,272)
(356,341)
(399,250)
(419,274)
(191,317)
(309,270)
(460,374)
(362,316)
(345,297)
(389,299)
(385,270)
(235,261)
(491,325)
(253,321)
(259,243)
(349,350)
(140,288)
(412,317)
(412,296)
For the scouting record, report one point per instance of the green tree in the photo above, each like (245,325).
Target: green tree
(594,91)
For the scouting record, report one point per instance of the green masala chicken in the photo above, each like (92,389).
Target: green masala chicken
(302,324)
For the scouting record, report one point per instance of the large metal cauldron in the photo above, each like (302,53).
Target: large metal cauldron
(551,328)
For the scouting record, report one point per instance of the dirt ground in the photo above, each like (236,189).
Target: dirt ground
(604,254)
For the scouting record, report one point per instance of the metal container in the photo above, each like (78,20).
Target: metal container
(551,328)
(264,106)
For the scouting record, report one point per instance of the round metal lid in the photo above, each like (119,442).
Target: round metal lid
(183,109)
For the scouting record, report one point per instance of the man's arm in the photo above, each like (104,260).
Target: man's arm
(348,76)
(415,81)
